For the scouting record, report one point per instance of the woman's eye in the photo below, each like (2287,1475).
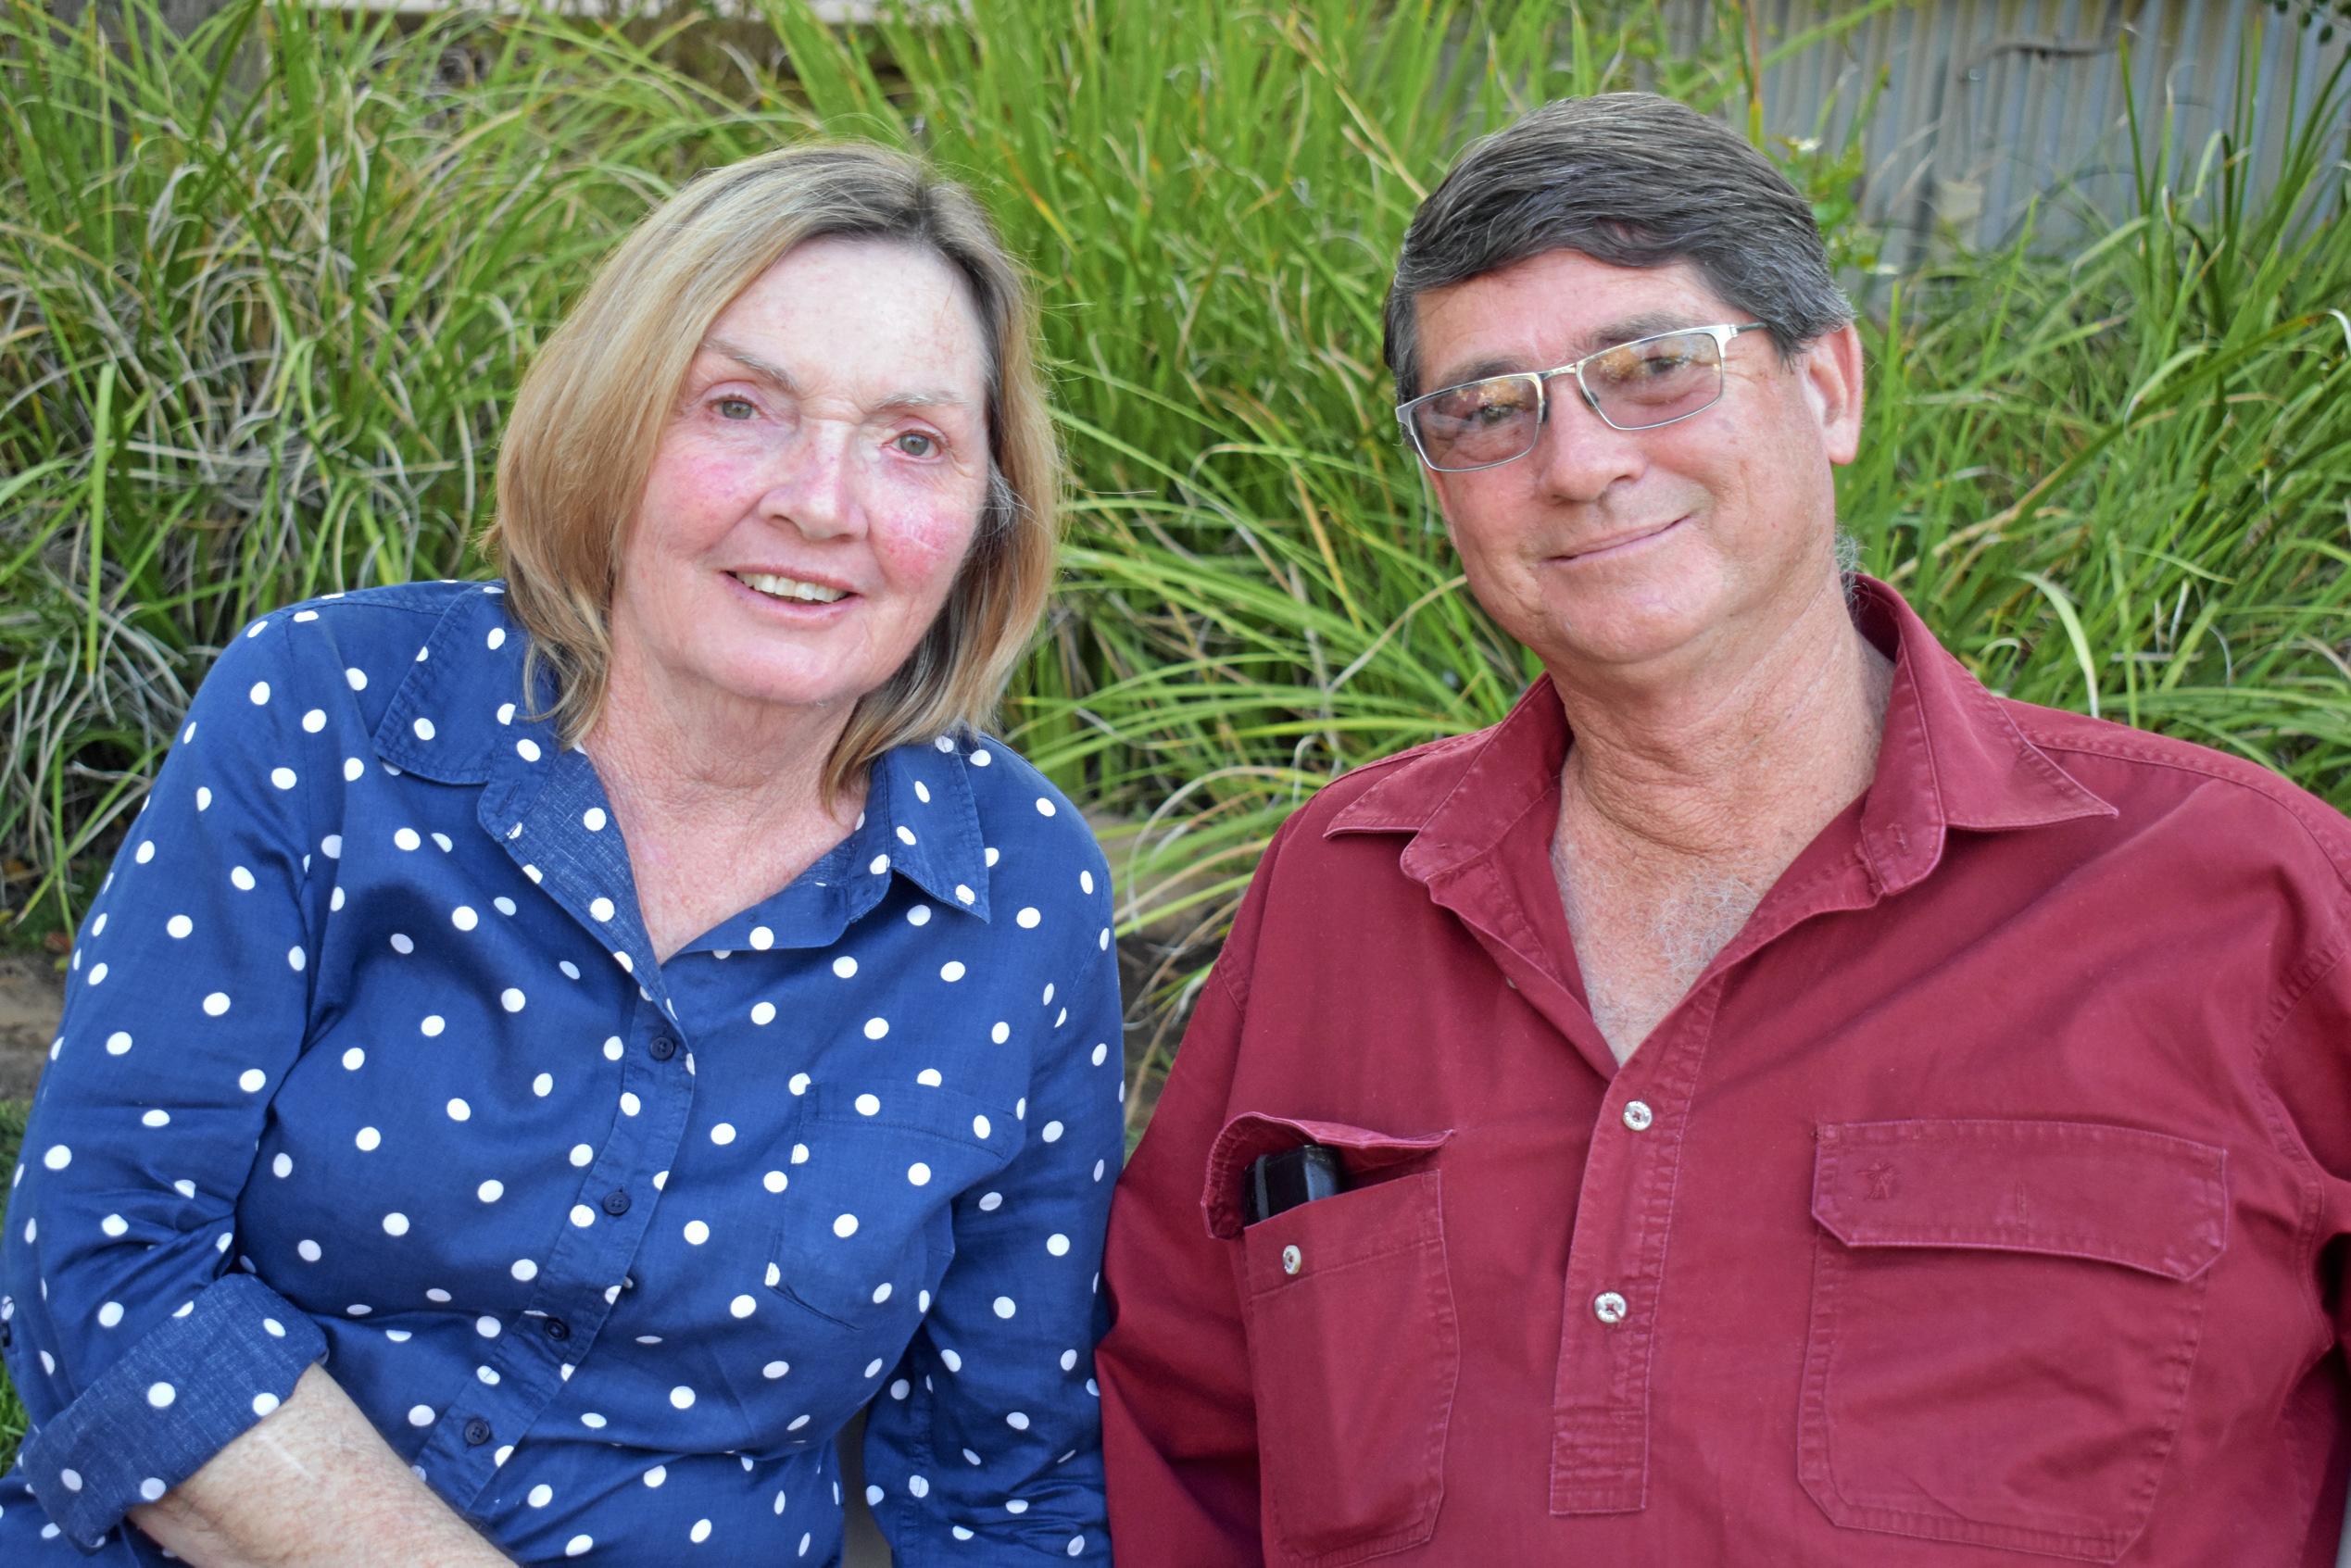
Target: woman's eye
(736,408)
(916,444)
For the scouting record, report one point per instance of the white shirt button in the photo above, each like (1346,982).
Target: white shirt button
(1609,1307)
(1292,1260)
(1638,1116)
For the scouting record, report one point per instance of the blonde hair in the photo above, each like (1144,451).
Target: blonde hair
(588,416)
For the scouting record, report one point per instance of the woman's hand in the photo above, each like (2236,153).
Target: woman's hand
(312,1484)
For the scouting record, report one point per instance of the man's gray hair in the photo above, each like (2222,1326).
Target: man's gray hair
(1631,180)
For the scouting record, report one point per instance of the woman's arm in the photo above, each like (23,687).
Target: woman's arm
(1003,1366)
(312,1483)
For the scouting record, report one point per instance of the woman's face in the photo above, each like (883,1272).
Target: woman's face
(814,490)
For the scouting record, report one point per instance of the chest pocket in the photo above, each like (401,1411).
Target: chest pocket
(2005,1319)
(867,1215)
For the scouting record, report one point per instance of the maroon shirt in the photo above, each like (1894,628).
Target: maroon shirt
(1985,1201)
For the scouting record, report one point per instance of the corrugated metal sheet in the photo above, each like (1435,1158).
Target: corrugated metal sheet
(1991,114)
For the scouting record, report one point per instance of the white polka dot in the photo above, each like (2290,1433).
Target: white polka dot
(700,1533)
(578,1545)
(161,1395)
(952,971)
(950,1359)
(178,926)
(240,879)
(1044,807)
(880,864)
(527,749)
(297,960)
(681,1397)
(724,1134)
(72,1478)
(215,1004)
(991,856)
(696,1232)
(868,1104)
(1068,1361)
(991,1201)
(657,1475)
(775,1181)
(1101,1053)
(490,1191)
(630,1104)
(774,1370)
(281,1166)
(593,818)
(1058,1245)
(540,1494)
(58,1156)
(876,1027)
(964,894)
(600,908)
(1004,1306)
(464,918)
(845,966)
(117,1043)
(510,999)
(524,1270)
(369,1140)
(844,1226)
(353,769)
(929,1077)
(259,692)
(905,833)
(251,1080)
(980,1126)
(582,1154)
(433,1026)
(407,839)
(1053,1133)
(157,1117)
(742,1306)
(581,1215)
(764,1012)
(1027,919)
(152,1489)
(1002,1032)
(459,1110)
(919,1173)
(1016,1420)
(544,1084)
(798,1085)
(110,1315)
(919,915)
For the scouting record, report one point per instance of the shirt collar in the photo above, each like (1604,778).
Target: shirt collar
(459,717)
(1951,757)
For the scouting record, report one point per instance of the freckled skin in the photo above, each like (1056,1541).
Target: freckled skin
(835,478)
(1749,479)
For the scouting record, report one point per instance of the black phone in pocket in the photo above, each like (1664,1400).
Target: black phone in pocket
(1288,1177)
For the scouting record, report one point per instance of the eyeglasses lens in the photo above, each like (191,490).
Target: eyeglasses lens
(1656,381)
(1484,422)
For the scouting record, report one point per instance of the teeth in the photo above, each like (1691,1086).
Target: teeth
(788,588)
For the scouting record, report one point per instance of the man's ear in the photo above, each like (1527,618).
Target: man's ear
(1832,375)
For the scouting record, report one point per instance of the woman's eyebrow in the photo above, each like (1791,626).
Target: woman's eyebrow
(781,378)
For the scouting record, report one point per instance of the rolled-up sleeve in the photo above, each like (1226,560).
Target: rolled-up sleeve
(987,1446)
(137,1351)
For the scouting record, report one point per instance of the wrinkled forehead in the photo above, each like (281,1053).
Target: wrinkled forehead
(1549,309)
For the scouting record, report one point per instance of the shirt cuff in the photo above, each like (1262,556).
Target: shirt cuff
(183,1393)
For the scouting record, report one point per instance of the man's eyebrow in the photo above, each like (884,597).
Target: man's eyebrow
(778,376)
(1647,324)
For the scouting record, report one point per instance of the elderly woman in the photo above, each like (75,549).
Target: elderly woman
(551,1052)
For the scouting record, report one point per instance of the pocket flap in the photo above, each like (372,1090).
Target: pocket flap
(1250,1136)
(2080,1189)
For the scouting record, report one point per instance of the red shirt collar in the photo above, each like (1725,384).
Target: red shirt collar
(1951,757)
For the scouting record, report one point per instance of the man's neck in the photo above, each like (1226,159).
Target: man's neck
(1736,766)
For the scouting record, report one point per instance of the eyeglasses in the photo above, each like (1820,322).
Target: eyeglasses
(1637,386)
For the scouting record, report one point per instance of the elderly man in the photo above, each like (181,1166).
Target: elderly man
(1786,1104)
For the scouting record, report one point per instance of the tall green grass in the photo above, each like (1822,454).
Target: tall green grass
(259,320)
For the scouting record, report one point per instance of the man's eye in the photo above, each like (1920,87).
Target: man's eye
(916,444)
(736,408)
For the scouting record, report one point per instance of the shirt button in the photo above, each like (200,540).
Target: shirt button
(555,1328)
(1292,1260)
(1638,1116)
(477,1432)
(616,1203)
(1609,1307)
(662,1047)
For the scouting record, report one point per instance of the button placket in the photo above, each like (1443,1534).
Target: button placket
(1600,1408)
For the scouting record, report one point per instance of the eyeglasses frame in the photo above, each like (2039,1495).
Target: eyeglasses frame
(1721,333)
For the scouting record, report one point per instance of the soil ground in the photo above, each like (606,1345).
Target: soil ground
(32,994)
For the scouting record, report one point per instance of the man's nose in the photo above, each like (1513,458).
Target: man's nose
(1578,455)
(814,484)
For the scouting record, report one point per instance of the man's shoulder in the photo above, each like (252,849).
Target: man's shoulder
(2143,775)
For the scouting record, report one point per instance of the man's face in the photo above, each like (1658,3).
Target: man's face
(1655,551)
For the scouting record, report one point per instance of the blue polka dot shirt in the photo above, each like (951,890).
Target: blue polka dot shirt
(367,1061)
